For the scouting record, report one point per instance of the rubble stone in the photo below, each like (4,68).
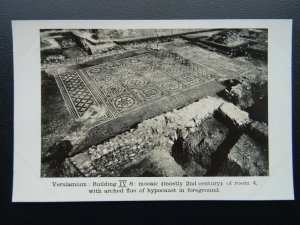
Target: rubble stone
(238,117)
(259,131)
(205,141)
(246,158)
(241,95)
(158,163)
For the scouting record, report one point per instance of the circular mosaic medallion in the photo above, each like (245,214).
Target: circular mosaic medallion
(124,102)
(113,89)
(135,82)
(125,73)
(155,62)
(167,63)
(155,76)
(103,78)
(142,66)
(159,76)
(190,79)
(114,65)
(171,85)
(149,92)
(150,68)
(172,70)
(97,69)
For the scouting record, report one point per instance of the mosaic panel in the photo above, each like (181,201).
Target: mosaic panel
(77,96)
(128,84)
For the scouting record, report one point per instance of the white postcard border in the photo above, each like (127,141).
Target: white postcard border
(28,186)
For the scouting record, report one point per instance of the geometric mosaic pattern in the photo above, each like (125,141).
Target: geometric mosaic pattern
(128,84)
(79,94)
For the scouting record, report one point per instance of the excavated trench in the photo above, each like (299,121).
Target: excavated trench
(249,94)
(206,150)
(218,157)
(209,152)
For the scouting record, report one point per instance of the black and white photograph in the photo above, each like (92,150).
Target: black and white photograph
(152,110)
(154,102)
